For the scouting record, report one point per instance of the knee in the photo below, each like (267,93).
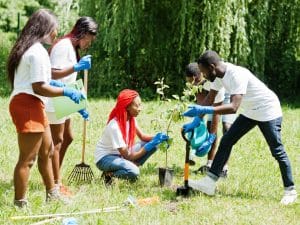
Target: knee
(68,139)
(57,141)
(28,162)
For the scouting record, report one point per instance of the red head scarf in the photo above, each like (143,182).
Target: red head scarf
(119,113)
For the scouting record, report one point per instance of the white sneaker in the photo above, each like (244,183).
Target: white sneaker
(289,197)
(206,185)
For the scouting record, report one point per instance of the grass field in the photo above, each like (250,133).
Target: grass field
(250,195)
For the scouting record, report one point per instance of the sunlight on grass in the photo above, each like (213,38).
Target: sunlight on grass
(250,195)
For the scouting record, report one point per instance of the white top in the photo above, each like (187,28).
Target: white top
(110,141)
(221,93)
(34,67)
(62,55)
(258,102)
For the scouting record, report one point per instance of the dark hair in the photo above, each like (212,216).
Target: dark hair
(192,69)
(84,25)
(209,57)
(40,24)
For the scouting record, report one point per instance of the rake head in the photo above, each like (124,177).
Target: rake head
(82,173)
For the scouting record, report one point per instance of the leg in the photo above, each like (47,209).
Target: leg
(238,129)
(145,157)
(29,144)
(57,132)
(44,159)
(67,140)
(120,167)
(272,133)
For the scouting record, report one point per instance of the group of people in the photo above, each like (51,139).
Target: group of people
(37,75)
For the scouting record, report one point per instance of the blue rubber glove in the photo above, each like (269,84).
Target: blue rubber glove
(85,63)
(156,140)
(206,146)
(57,83)
(85,114)
(196,110)
(190,126)
(73,94)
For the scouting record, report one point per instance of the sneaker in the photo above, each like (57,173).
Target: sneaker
(224,174)
(65,191)
(202,169)
(192,162)
(107,177)
(54,195)
(22,203)
(206,185)
(289,197)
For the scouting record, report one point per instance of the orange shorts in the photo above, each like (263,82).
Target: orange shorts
(28,113)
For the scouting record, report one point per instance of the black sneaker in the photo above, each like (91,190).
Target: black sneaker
(203,169)
(107,178)
(224,174)
(192,162)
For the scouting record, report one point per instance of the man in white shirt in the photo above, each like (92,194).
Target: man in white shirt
(261,108)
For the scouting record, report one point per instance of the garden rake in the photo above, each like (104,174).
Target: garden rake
(82,172)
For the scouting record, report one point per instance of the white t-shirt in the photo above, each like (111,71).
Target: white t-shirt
(110,141)
(62,55)
(34,67)
(258,102)
(221,93)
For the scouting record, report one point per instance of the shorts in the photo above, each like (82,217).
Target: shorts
(28,113)
(227,118)
(53,120)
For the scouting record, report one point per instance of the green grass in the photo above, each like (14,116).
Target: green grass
(250,195)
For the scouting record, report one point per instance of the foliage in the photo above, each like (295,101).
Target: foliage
(140,40)
(174,113)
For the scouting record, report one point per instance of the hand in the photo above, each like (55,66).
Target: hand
(73,94)
(57,83)
(206,146)
(196,110)
(85,63)
(85,114)
(156,140)
(190,126)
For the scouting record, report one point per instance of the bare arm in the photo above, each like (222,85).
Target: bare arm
(142,136)
(235,101)
(60,73)
(46,90)
(215,121)
(131,156)
(210,97)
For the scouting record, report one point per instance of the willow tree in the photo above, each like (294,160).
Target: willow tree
(141,41)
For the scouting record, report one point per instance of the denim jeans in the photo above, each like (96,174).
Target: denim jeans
(272,133)
(123,168)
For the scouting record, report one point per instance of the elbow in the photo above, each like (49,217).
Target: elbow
(234,108)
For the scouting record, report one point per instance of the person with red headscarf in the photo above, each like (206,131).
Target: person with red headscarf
(65,64)
(116,153)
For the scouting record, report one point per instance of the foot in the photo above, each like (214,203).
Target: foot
(65,191)
(22,203)
(289,197)
(224,174)
(54,195)
(203,169)
(192,162)
(206,185)
(107,177)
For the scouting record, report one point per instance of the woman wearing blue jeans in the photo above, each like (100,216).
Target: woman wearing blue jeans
(116,154)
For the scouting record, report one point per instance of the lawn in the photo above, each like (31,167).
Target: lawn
(250,195)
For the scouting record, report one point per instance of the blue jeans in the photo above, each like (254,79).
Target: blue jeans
(272,133)
(123,168)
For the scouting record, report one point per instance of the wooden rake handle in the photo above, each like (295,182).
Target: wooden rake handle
(85,83)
